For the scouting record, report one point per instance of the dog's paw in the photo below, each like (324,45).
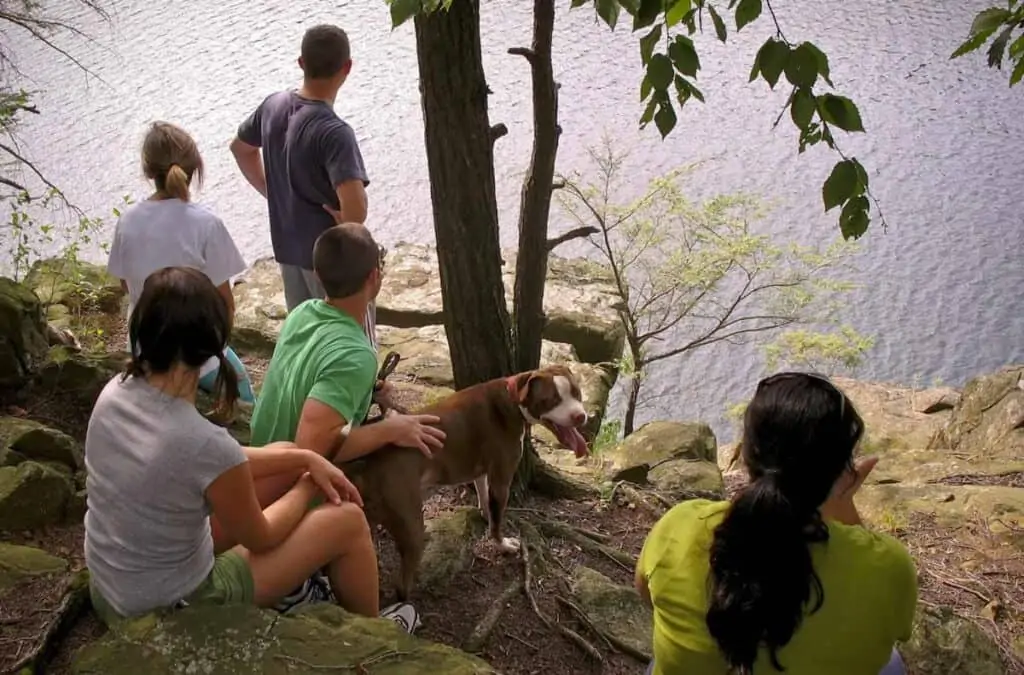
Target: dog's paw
(509,545)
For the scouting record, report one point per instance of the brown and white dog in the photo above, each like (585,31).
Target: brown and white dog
(484,427)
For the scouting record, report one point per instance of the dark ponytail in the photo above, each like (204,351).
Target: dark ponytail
(799,435)
(226,386)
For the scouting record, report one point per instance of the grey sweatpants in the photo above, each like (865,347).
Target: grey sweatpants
(301,284)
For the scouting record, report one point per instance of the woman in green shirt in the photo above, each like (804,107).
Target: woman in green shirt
(784,578)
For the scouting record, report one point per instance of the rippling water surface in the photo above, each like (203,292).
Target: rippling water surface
(940,289)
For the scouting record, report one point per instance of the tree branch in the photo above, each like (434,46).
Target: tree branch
(576,233)
(525,52)
(497,131)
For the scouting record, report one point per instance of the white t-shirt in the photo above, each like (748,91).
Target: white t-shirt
(154,234)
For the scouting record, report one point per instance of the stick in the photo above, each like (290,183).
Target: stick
(482,631)
(572,635)
(555,529)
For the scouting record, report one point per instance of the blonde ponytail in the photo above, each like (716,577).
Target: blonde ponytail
(171,160)
(176,183)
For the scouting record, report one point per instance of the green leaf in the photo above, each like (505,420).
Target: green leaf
(646,14)
(631,6)
(972,43)
(854,220)
(802,67)
(1018,72)
(608,10)
(577,3)
(998,48)
(682,90)
(665,118)
(989,19)
(746,12)
(403,10)
(684,56)
(648,115)
(719,24)
(862,177)
(695,92)
(659,71)
(802,107)
(1017,48)
(648,43)
(840,111)
(771,60)
(645,88)
(675,11)
(823,67)
(840,186)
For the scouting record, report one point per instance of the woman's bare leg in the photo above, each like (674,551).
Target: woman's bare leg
(336,536)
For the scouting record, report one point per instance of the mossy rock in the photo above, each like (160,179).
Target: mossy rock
(614,609)
(81,374)
(449,549)
(75,284)
(22,562)
(685,478)
(32,495)
(228,640)
(39,442)
(23,344)
(658,442)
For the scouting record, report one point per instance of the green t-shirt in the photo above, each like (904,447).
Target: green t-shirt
(869,580)
(323,354)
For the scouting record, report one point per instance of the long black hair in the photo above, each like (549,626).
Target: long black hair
(181,318)
(799,435)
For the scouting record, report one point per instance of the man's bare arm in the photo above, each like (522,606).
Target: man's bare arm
(354,204)
(251,164)
(321,430)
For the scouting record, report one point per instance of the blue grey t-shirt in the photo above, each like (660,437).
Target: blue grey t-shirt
(307,152)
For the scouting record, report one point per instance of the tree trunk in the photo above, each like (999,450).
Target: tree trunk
(534,209)
(460,160)
(634,395)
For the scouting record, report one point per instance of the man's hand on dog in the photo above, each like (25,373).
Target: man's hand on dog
(415,431)
(332,481)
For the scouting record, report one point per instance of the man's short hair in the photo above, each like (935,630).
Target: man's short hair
(325,51)
(344,257)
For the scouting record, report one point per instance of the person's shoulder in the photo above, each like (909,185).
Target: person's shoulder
(692,517)
(878,550)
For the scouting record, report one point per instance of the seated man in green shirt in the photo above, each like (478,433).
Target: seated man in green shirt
(320,381)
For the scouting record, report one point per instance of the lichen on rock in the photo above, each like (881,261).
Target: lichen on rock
(38,442)
(23,344)
(22,562)
(32,495)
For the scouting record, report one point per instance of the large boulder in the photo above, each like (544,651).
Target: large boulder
(82,375)
(579,299)
(22,562)
(35,441)
(657,443)
(75,284)
(33,495)
(988,420)
(243,639)
(23,343)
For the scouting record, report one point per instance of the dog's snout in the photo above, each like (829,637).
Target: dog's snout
(579,418)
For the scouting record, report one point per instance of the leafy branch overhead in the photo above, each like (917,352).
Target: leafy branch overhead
(671,65)
(1003,23)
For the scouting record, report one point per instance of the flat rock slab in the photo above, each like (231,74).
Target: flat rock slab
(615,610)
(579,299)
(243,639)
(22,562)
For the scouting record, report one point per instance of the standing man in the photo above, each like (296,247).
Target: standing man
(311,171)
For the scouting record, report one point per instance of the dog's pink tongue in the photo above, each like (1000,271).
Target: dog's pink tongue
(571,438)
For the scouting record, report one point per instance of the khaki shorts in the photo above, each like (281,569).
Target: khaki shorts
(229,583)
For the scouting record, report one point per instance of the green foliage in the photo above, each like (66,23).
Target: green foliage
(608,436)
(702,274)
(830,353)
(1005,24)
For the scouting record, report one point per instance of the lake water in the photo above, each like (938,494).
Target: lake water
(940,290)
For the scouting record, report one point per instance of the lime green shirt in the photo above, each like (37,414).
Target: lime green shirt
(869,580)
(323,354)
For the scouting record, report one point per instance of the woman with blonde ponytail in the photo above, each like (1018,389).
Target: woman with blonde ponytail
(168,229)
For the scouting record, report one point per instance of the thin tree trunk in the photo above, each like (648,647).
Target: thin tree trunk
(634,395)
(460,159)
(534,209)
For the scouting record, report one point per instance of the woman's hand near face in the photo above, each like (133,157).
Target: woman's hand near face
(839,506)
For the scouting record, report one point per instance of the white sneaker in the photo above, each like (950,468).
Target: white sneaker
(404,614)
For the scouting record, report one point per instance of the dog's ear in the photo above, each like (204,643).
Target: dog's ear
(523,381)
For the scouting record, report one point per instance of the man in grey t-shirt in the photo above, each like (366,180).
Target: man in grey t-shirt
(311,170)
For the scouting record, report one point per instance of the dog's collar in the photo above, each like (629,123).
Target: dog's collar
(513,389)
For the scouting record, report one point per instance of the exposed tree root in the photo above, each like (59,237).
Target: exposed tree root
(649,500)
(528,537)
(550,482)
(555,529)
(71,607)
(608,638)
(482,631)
